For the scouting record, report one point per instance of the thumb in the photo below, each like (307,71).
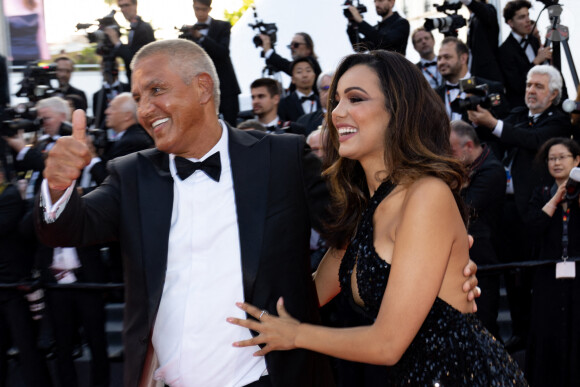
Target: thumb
(79,125)
(281,309)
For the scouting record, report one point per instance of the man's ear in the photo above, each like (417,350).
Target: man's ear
(205,86)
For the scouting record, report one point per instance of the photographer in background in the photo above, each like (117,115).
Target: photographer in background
(391,33)
(300,46)
(64,70)
(424,43)
(110,89)
(482,40)
(140,34)
(214,37)
(518,139)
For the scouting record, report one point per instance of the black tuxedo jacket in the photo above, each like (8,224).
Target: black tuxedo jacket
(142,35)
(521,143)
(217,45)
(70,90)
(290,107)
(283,64)
(515,66)
(482,41)
(100,103)
(277,188)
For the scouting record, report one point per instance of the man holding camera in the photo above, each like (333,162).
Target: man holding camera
(140,34)
(300,46)
(518,138)
(214,37)
(391,33)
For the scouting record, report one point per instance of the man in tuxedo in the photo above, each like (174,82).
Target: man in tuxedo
(519,137)
(520,51)
(312,121)
(391,33)
(265,99)
(64,70)
(112,87)
(423,42)
(214,37)
(140,34)
(121,116)
(482,38)
(234,225)
(452,63)
(483,193)
(303,100)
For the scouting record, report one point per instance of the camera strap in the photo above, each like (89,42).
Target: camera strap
(565,269)
(565,221)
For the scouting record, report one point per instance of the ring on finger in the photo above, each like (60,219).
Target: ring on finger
(478,290)
(264,312)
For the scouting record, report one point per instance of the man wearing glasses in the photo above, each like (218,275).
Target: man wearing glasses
(517,139)
(140,34)
(300,46)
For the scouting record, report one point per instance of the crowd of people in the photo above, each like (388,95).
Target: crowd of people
(367,178)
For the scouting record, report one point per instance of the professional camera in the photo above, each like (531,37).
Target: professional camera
(104,44)
(449,24)
(361,8)
(269,29)
(35,83)
(186,31)
(479,96)
(20,117)
(98,138)
(573,184)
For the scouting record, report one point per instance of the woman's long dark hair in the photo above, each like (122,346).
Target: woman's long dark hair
(416,141)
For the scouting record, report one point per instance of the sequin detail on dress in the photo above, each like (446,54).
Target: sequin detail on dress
(450,349)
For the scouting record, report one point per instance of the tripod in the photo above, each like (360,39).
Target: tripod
(558,34)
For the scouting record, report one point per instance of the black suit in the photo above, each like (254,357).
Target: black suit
(515,66)
(277,189)
(311,121)
(70,90)
(484,197)
(390,34)
(217,44)
(141,35)
(290,108)
(482,41)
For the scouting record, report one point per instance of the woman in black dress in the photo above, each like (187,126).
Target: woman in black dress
(553,353)
(395,190)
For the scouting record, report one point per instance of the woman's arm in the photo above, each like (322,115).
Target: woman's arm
(424,240)
(326,276)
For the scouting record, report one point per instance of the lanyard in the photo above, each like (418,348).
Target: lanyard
(565,220)
(433,77)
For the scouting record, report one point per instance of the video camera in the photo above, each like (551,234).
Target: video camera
(35,83)
(361,8)
(104,44)
(479,96)
(20,117)
(186,30)
(449,24)
(269,29)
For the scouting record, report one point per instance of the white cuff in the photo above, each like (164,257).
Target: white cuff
(268,53)
(498,129)
(20,156)
(53,211)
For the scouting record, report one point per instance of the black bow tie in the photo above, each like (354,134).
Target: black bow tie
(311,97)
(524,41)
(429,64)
(449,87)
(211,166)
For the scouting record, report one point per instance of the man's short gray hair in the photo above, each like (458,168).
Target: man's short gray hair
(555,82)
(57,105)
(188,57)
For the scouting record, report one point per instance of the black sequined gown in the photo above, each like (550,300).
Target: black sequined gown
(450,349)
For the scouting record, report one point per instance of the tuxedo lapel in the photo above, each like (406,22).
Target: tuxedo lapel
(250,161)
(155,198)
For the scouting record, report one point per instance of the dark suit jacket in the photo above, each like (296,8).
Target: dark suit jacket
(522,142)
(134,140)
(484,197)
(390,34)
(217,44)
(277,189)
(290,107)
(142,35)
(482,41)
(311,121)
(282,64)
(515,66)
(70,90)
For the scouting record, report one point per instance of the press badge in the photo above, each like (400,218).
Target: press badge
(566,269)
